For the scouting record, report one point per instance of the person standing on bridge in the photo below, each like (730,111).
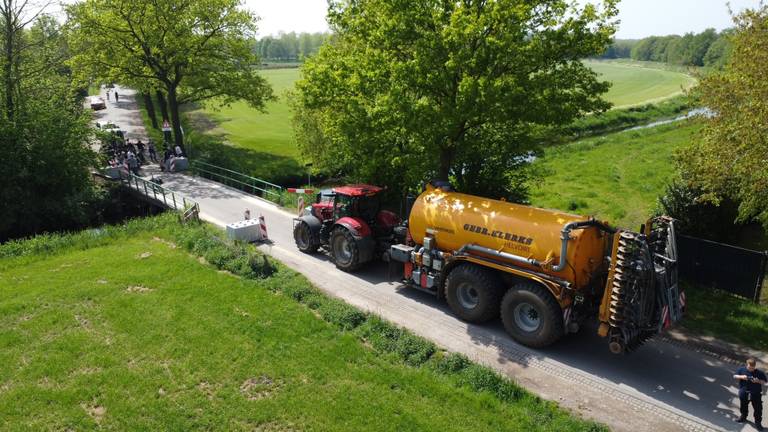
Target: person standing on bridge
(751,381)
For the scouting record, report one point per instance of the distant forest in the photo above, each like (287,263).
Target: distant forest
(708,49)
(289,47)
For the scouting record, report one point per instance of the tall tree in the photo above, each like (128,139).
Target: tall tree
(44,158)
(195,50)
(730,158)
(412,89)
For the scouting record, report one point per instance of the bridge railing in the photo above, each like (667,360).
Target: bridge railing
(170,199)
(244,182)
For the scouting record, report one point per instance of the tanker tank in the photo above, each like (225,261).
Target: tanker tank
(456,220)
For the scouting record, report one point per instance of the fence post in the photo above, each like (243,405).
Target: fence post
(145,189)
(173,195)
(761,279)
(164,200)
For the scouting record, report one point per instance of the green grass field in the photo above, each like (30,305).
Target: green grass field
(636,83)
(617,177)
(123,329)
(262,144)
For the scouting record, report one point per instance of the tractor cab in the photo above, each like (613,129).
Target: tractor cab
(347,221)
(360,201)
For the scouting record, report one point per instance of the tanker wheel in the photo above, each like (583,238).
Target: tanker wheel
(303,237)
(344,250)
(531,315)
(473,293)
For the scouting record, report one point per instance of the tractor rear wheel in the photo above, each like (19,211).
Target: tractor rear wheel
(531,315)
(344,250)
(302,234)
(474,293)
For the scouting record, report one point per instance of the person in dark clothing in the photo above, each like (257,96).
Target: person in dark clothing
(140,154)
(117,97)
(751,381)
(152,151)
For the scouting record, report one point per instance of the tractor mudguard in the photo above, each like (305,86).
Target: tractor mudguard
(357,226)
(360,230)
(313,223)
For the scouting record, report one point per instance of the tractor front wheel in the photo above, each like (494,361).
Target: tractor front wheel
(302,234)
(344,250)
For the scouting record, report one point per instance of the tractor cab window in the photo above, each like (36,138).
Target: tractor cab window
(344,206)
(324,196)
(368,206)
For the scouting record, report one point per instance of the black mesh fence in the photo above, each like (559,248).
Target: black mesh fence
(729,268)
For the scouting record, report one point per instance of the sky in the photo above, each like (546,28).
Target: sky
(639,18)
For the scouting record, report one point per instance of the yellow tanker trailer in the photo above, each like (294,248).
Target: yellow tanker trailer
(544,272)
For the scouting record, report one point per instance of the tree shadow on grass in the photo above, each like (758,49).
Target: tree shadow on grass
(207,142)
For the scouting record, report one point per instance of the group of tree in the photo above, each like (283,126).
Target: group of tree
(728,163)
(45,160)
(414,90)
(189,51)
(706,49)
(289,47)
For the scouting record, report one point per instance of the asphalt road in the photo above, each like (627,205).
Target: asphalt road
(660,387)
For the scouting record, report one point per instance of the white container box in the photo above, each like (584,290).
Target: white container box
(245,230)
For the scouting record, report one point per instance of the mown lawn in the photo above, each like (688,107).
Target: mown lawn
(640,82)
(616,177)
(135,333)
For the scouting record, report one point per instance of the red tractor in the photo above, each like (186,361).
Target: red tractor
(349,223)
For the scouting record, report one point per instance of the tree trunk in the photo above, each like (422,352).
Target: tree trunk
(163,105)
(173,107)
(8,81)
(150,109)
(446,160)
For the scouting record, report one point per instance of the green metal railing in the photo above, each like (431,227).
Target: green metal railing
(244,182)
(170,199)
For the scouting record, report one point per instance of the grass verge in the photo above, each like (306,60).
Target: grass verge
(123,328)
(717,313)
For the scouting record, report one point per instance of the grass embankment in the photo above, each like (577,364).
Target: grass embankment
(639,83)
(616,177)
(619,119)
(619,177)
(122,328)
